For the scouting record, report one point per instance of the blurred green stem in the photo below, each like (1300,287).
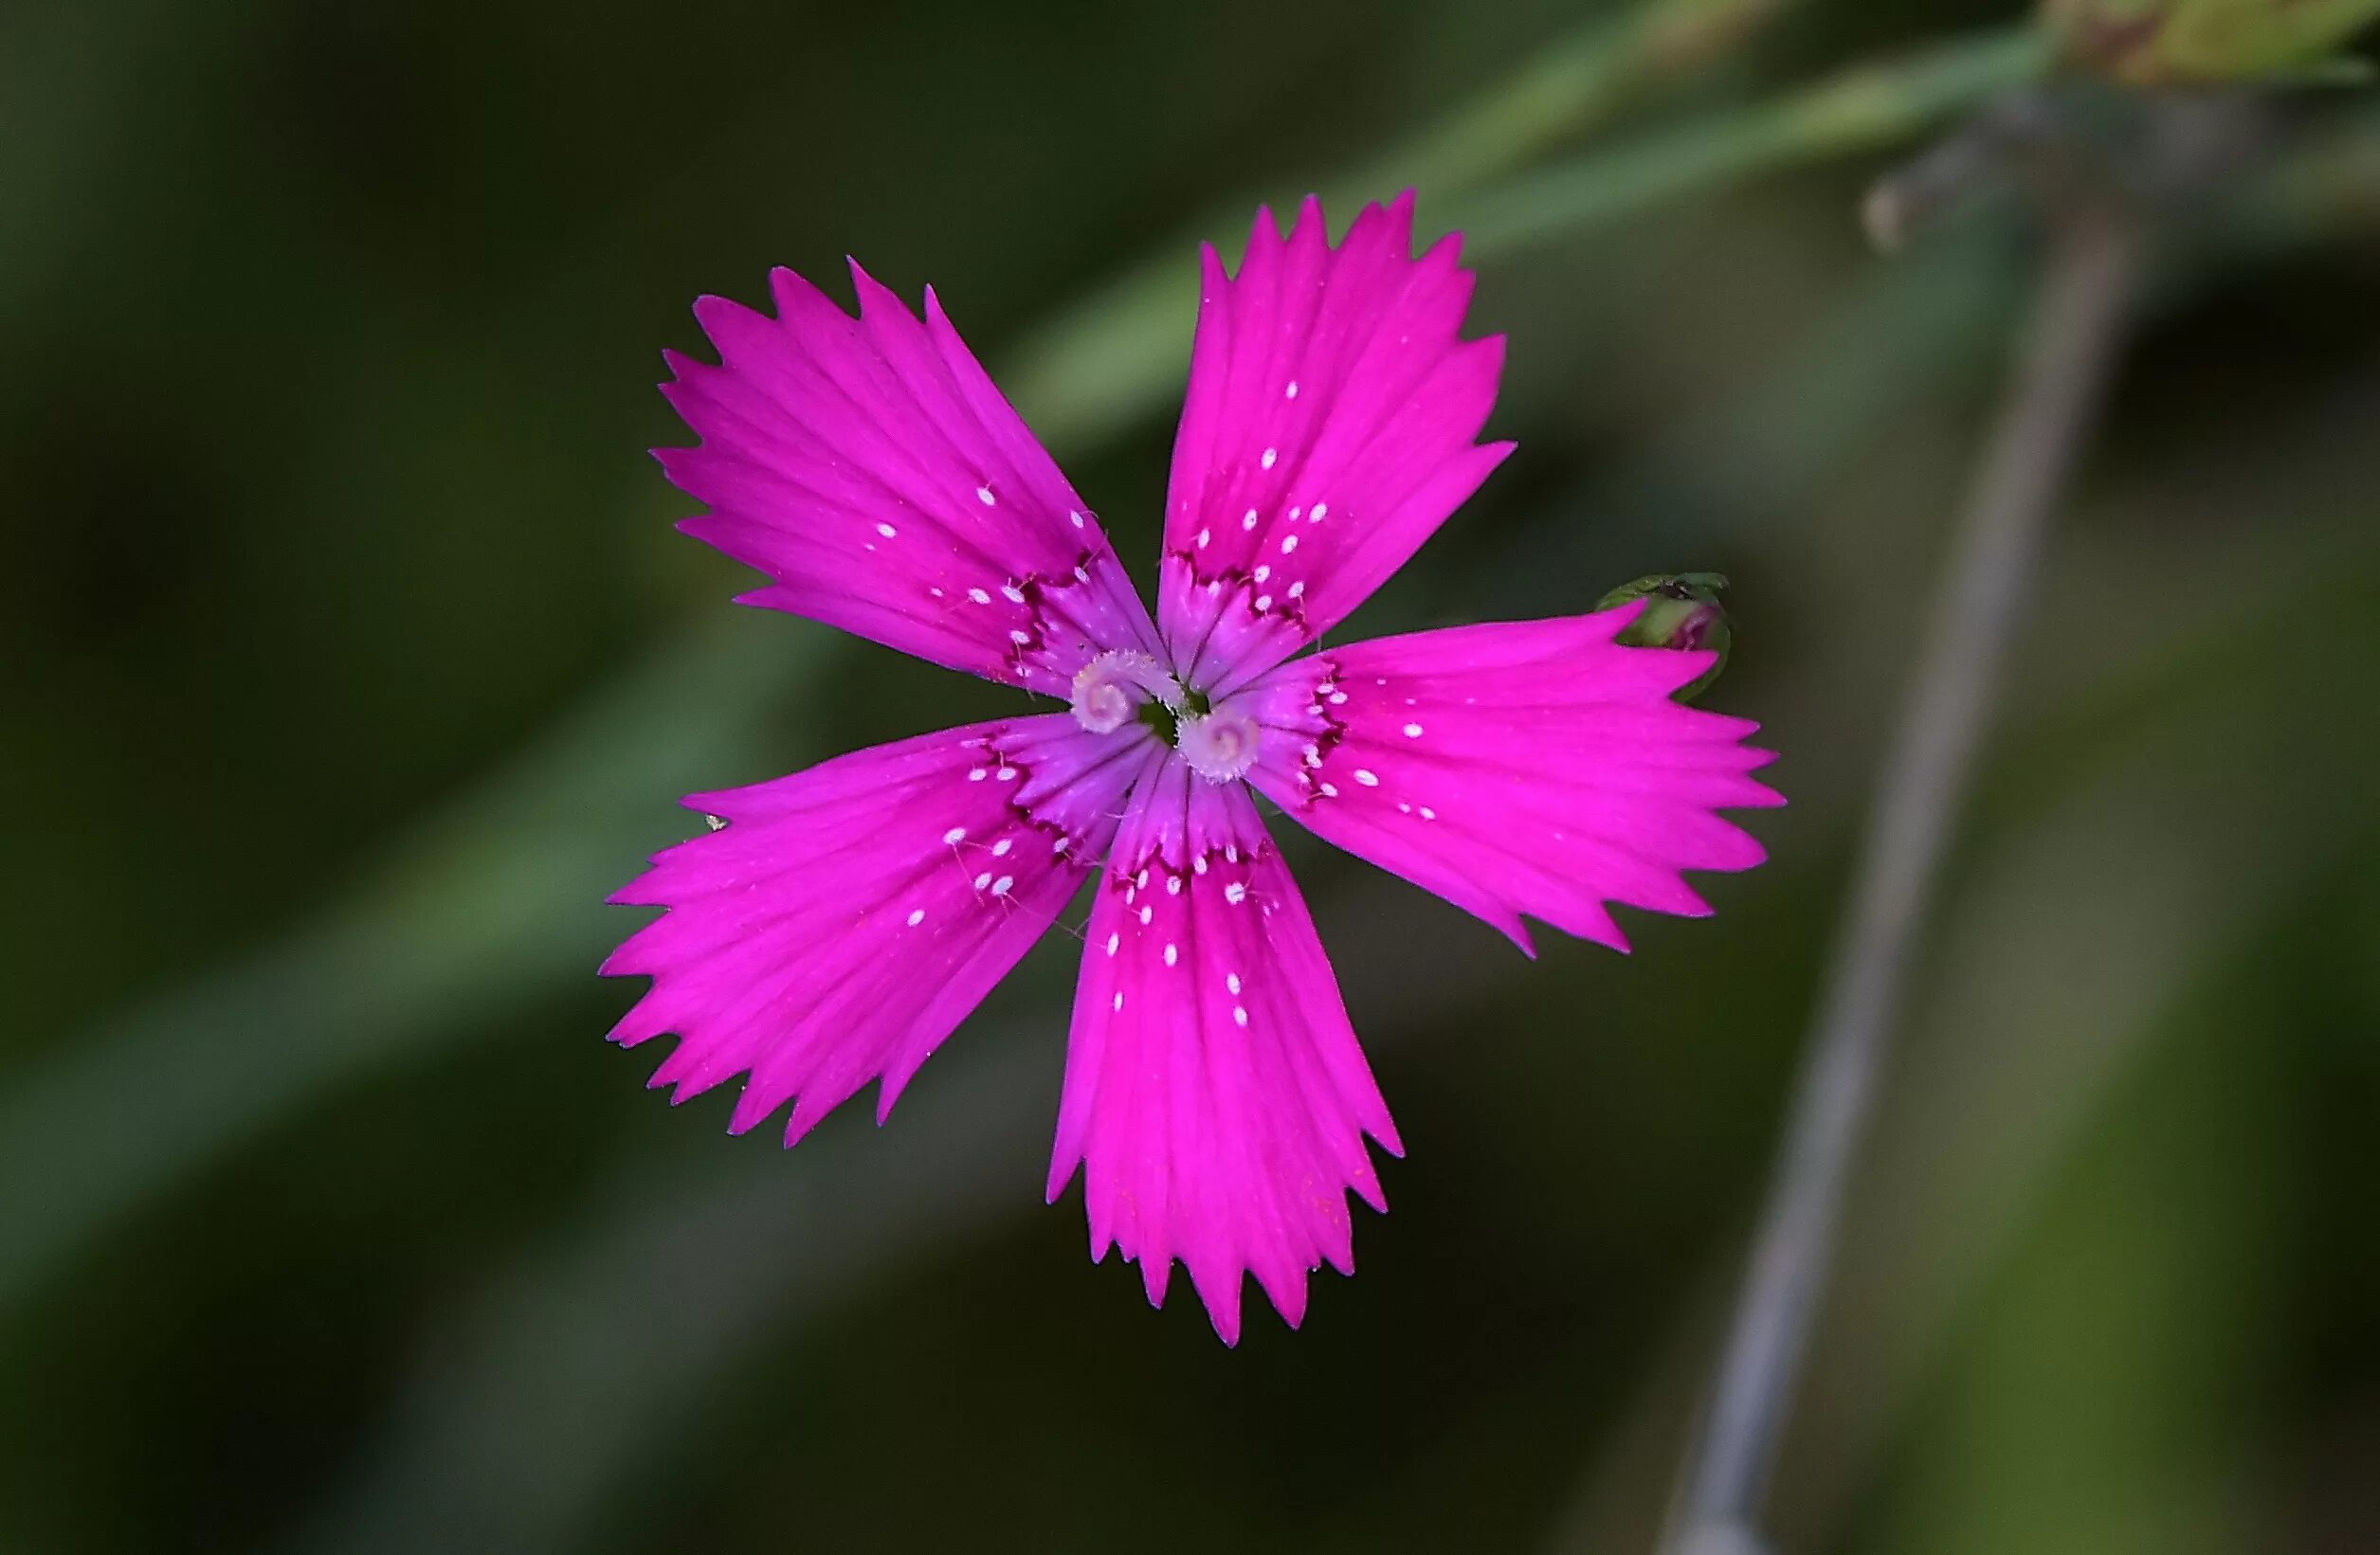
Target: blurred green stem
(1103,361)
(2067,354)
(1862,109)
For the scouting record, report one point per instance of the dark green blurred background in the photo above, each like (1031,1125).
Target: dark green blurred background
(351,659)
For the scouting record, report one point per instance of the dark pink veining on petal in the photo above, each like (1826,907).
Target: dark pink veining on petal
(847,917)
(869,467)
(1525,768)
(1216,1098)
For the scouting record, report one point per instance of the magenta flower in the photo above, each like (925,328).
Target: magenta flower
(845,918)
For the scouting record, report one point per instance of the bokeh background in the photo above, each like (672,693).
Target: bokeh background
(351,659)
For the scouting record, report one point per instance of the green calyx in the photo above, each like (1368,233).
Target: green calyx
(1681,612)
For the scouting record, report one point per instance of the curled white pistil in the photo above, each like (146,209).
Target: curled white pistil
(1109,690)
(1220,746)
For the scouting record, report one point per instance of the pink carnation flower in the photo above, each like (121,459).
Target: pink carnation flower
(845,918)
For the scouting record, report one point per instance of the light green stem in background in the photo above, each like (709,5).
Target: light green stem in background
(1110,358)
(2067,357)
(1864,109)
(483,910)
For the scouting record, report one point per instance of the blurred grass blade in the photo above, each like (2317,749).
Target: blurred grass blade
(1116,355)
(485,909)
(1864,109)
(608,1339)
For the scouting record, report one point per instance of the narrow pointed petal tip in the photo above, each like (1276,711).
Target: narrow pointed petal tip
(1216,1101)
(1534,768)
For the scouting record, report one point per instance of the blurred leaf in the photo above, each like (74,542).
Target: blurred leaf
(1116,355)
(485,909)
(1863,109)
(2178,43)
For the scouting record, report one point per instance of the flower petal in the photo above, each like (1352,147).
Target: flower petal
(1215,1094)
(872,470)
(1327,433)
(847,917)
(1535,767)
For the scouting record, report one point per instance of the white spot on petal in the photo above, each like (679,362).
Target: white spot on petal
(957,834)
(1005,774)
(1366,777)
(1235,893)
(1240,1014)
(917,916)
(1248,520)
(1016,595)
(1271,456)
(1000,886)
(984,879)
(888,531)
(1322,511)
(1172,954)
(1412,732)
(983,495)
(976,775)
(1291,392)
(1205,536)
(999,849)
(1078,519)
(1113,941)
(1231,981)
(1120,1001)
(1261,573)
(1146,913)
(1428,814)
(1173,885)
(979,596)
(1288,544)
(1329,791)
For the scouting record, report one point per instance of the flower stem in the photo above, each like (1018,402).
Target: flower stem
(2068,347)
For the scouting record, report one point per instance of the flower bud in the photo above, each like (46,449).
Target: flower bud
(2181,42)
(1682,610)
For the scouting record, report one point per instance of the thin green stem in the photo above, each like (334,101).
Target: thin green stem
(2068,355)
